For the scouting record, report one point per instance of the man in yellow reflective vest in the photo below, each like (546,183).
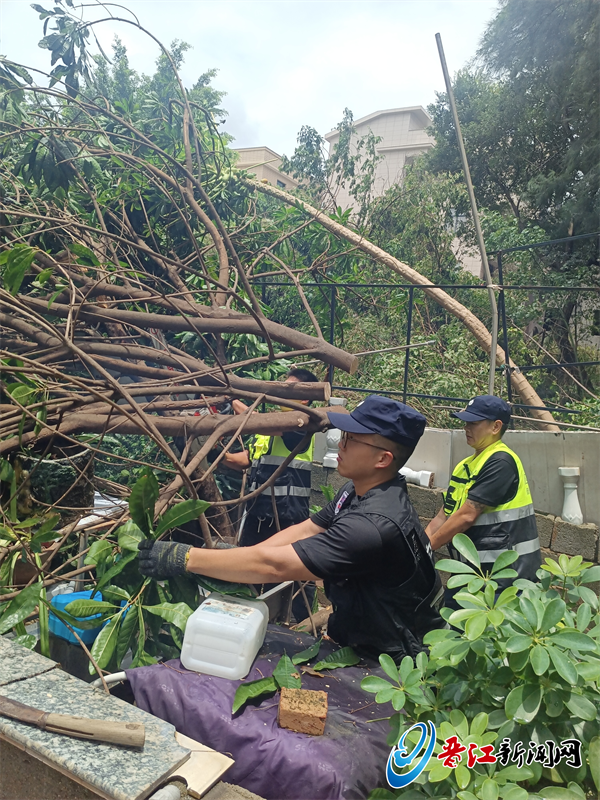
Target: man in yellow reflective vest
(287,502)
(488,498)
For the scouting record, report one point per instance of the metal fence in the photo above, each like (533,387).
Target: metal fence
(334,287)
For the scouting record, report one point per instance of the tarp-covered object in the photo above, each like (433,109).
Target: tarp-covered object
(277,764)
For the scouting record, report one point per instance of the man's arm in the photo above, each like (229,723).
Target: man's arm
(259,564)
(237,461)
(459,522)
(436,523)
(262,563)
(303,530)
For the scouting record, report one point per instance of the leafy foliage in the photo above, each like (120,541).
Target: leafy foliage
(521,665)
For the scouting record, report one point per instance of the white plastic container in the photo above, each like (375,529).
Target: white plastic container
(223,636)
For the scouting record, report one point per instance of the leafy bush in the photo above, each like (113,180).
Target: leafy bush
(521,665)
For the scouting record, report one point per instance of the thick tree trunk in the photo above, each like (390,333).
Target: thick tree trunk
(475,325)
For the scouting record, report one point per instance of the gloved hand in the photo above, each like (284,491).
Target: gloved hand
(162,559)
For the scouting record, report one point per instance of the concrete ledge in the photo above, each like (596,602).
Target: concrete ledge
(556,535)
(575,540)
(545,526)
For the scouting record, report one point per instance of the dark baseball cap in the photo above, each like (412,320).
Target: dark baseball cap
(486,406)
(389,418)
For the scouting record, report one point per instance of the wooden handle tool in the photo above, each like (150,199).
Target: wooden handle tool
(128,734)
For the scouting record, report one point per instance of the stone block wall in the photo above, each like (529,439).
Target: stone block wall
(556,535)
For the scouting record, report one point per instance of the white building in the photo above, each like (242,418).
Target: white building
(264,163)
(403,138)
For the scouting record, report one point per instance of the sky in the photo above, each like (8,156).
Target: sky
(287,63)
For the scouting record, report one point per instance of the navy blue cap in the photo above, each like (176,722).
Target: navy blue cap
(389,418)
(486,406)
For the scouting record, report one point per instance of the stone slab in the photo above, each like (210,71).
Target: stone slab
(575,540)
(545,526)
(113,772)
(427,502)
(17,662)
(227,791)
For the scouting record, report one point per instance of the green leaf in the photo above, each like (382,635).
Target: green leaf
(105,644)
(20,607)
(504,560)
(479,724)
(18,262)
(518,643)
(389,667)
(489,790)
(175,613)
(27,640)
(539,659)
(142,500)
(584,616)
(589,670)
(372,683)
(286,675)
(438,772)
(128,628)
(553,702)
(456,567)
(557,793)
(463,776)
(591,575)
(306,655)
(115,570)
(88,608)
(385,695)
(466,548)
(115,594)
(129,536)
(523,703)
(581,707)
(553,613)
(345,657)
(475,626)
(563,665)
(594,759)
(247,691)
(495,617)
(573,640)
(398,700)
(180,514)
(99,551)
(80,624)
(83,252)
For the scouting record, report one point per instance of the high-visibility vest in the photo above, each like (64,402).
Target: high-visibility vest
(510,526)
(291,489)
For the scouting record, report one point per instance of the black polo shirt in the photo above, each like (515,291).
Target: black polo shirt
(377,568)
(355,544)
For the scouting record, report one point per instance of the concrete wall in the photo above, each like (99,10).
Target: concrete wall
(541,453)
(556,536)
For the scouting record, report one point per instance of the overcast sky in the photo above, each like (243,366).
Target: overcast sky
(288,64)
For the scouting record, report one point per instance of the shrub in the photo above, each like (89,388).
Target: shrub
(521,665)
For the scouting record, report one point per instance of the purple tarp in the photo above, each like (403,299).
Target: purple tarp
(277,764)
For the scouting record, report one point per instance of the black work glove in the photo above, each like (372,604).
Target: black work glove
(162,559)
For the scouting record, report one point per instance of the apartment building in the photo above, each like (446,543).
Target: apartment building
(403,138)
(265,163)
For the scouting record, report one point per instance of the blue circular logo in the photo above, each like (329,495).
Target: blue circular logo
(400,758)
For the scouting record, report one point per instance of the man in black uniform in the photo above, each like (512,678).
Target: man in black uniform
(367,545)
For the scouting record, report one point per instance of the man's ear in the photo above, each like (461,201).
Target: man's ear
(385,460)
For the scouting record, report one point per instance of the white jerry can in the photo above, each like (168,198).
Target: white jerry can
(223,636)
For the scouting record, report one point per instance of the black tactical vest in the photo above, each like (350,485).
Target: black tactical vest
(385,613)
